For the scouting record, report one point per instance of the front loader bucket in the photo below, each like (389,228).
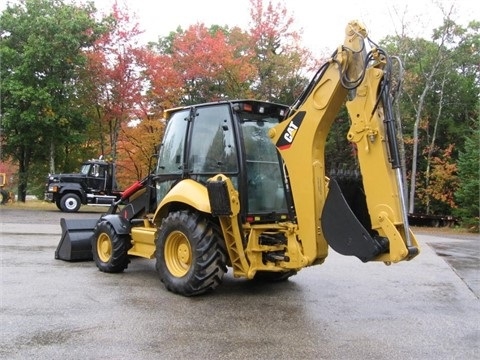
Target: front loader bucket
(75,244)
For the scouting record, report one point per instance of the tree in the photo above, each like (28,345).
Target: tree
(162,82)
(114,79)
(441,173)
(280,60)
(41,49)
(468,193)
(265,62)
(210,63)
(441,89)
(137,143)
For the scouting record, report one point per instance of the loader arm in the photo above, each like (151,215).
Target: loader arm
(361,80)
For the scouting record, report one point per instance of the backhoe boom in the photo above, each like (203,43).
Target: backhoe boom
(362,78)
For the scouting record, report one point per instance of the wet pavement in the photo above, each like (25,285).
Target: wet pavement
(427,308)
(463,256)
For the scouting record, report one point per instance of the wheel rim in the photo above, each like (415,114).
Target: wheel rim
(71,203)
(104,247)
(178,254)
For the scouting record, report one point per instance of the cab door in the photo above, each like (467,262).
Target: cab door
(171,157)
(96,177)
(212,149)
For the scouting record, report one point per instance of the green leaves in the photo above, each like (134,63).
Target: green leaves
(42,43)
(439,105)
(468,193)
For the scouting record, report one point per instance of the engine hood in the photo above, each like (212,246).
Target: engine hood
(66,177)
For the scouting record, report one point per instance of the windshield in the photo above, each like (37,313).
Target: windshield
(85,169)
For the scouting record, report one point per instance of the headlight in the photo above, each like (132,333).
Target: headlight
(53,188)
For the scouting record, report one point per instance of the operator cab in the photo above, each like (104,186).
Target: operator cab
(229,138)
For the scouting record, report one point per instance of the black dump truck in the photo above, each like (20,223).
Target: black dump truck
(94,185)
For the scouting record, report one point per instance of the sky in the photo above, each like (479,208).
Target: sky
(322,22)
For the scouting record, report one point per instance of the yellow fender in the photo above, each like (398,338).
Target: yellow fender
(187,192)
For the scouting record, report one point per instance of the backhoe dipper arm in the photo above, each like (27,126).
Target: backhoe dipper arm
(362,80)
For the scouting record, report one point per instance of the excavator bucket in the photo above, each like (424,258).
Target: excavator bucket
(345,226)
(75,243)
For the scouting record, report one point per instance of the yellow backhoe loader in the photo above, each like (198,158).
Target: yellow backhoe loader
(242,185)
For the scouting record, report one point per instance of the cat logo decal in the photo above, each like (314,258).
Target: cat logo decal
(288,135)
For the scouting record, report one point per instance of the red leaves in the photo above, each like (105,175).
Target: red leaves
(207,60)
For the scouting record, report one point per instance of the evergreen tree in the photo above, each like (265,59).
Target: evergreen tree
(468,194)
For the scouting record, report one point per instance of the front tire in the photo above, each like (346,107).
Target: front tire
(190,258)
(58,204)
(70,203)
(110,250)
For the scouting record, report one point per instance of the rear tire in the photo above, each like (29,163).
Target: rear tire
(190,258)
(110,250)
(70,203)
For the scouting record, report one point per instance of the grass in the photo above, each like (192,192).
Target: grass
(31,205)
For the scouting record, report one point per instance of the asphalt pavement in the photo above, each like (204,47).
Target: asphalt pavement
(427,308)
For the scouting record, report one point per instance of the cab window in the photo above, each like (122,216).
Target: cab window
(170,159)
(212,147)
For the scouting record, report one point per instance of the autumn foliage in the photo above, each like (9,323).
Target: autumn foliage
(129,86)
(443,182)
(209,66)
